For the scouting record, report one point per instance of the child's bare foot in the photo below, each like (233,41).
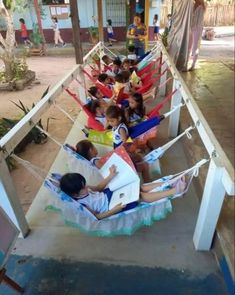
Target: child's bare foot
(180,186)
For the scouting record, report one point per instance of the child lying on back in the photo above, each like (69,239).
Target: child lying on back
(97,198)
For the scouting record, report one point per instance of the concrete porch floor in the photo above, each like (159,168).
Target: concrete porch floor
(161,259)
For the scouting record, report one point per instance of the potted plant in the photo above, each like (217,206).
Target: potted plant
(94,35)
(37,40)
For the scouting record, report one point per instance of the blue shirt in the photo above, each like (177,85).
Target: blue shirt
(137,30)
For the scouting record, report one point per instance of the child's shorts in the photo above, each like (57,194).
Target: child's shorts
(110,35)
(109,194)
(156,30)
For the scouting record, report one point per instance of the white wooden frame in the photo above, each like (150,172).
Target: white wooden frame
(220,178)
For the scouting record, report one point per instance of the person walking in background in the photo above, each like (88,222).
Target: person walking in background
(110,32)
(156,24)
(196,30)
(57,37)
(168,24)
(136,34)
(24,32)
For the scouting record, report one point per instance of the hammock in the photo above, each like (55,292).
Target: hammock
(93,124)
(151,158)
(123,223)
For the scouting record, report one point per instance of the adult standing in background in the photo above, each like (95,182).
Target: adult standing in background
(136,34)
(196,31)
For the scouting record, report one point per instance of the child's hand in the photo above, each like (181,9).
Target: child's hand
(113,171)
(118,208)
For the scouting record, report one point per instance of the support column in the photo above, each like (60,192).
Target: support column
(175,117)
(211,204)
(162,91)
(9,200)
(100,20)
(76,31)
(146,21)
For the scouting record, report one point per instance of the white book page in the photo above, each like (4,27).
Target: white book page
(126,195)
(125,173)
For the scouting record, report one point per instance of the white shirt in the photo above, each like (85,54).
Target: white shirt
(96,201)
(101,119)
(117,140)
(156,24)
(132,56)
(94,160)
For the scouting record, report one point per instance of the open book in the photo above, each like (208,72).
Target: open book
(125,185)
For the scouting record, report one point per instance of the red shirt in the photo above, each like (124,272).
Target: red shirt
(24,32)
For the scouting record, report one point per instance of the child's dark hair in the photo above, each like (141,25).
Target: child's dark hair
(93,105)
(119,78)
(126,61)
(55,18)
(114,112)
(83,147)
(102,77)
(21,20)
(156,17)
(93,90)
(109,21)
(72,183)
(131,48)
(140,108)
(126,76)
(117,61)
(105,59)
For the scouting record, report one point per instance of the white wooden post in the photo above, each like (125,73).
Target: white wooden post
(163,78)
(175,117)
(211,204)
(81,89)
(9,200)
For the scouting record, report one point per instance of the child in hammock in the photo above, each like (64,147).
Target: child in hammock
(96,198)
(115,68)
(122,81)
(135,113)
(96,93)
(116,119)
(97,108)
(104,79)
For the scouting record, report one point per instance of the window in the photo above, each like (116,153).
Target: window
(116,11)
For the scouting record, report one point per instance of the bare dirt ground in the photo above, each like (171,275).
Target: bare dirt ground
(49,71)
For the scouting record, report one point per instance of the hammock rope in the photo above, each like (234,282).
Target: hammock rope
(49,135)
(39,173)
(159,152)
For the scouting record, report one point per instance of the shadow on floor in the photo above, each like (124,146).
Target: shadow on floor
(51,277)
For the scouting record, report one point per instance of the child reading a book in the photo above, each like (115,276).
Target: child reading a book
(135,113)
(116,119)
(115,68)
(98,109)
(105,79)
(96,198)
(87,150)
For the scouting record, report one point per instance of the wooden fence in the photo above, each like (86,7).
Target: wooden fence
(216,15)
